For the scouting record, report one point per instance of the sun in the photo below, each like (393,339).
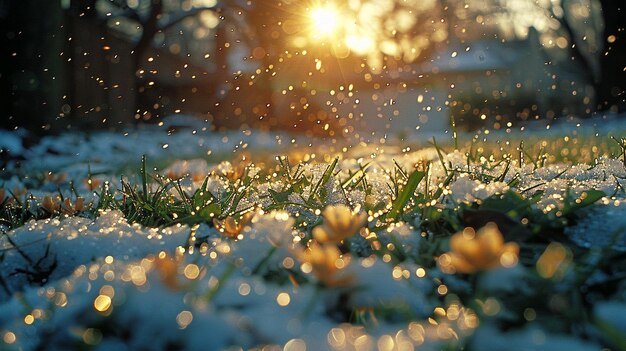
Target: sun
(325,21)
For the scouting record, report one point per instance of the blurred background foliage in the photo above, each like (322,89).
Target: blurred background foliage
(317,66)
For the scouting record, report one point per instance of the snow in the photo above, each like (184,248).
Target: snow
(107,152)
(121,286)
(245,316)
(601,226)
(11,142)
(63,245)
(466,190)
(490,338)
(612,313)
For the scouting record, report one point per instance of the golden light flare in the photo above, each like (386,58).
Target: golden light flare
(183,319)
(360,44)
(554,261)
(325,21)
(191,271)
(9,337)
(372,30)
(102,303)
(283,299)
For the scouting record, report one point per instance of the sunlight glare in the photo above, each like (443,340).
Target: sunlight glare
(325,20)
(360,44)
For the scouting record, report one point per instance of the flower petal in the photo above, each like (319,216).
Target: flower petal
(490,238)
(321,234)
(460,264)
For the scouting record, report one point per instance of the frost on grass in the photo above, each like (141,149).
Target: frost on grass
(211,288)
(51,249)
(334,255)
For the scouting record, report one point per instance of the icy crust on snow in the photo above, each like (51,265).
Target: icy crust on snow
(472,182)
(235,296)
(156,303)
(146,313)
(477,180)
(467,190)
(245,311)
(491,338)
(602,226)
(105,151)
(481,178)
(59,246)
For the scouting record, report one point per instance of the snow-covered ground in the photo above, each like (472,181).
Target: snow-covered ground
(96,280)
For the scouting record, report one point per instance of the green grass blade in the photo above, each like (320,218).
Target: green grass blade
(325,178)
(144,178)
(414,179)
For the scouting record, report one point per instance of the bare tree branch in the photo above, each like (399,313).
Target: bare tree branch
(128,12)
(181,16)
(575,48)
(150,27)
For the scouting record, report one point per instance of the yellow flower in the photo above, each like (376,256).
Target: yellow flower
(326,263)
(231,228)
(339,223)
(472,252)
(235,172)
(196,169)
(53,205)
(8,197)
(92,183)
(19,192)
(49,204)
(168,271)
(57,178)
(69,209)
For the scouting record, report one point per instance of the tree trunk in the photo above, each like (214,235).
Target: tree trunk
(31,64)
(149,30)
(262,20)
(611,90)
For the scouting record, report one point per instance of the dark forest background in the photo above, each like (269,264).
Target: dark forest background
(69,64)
